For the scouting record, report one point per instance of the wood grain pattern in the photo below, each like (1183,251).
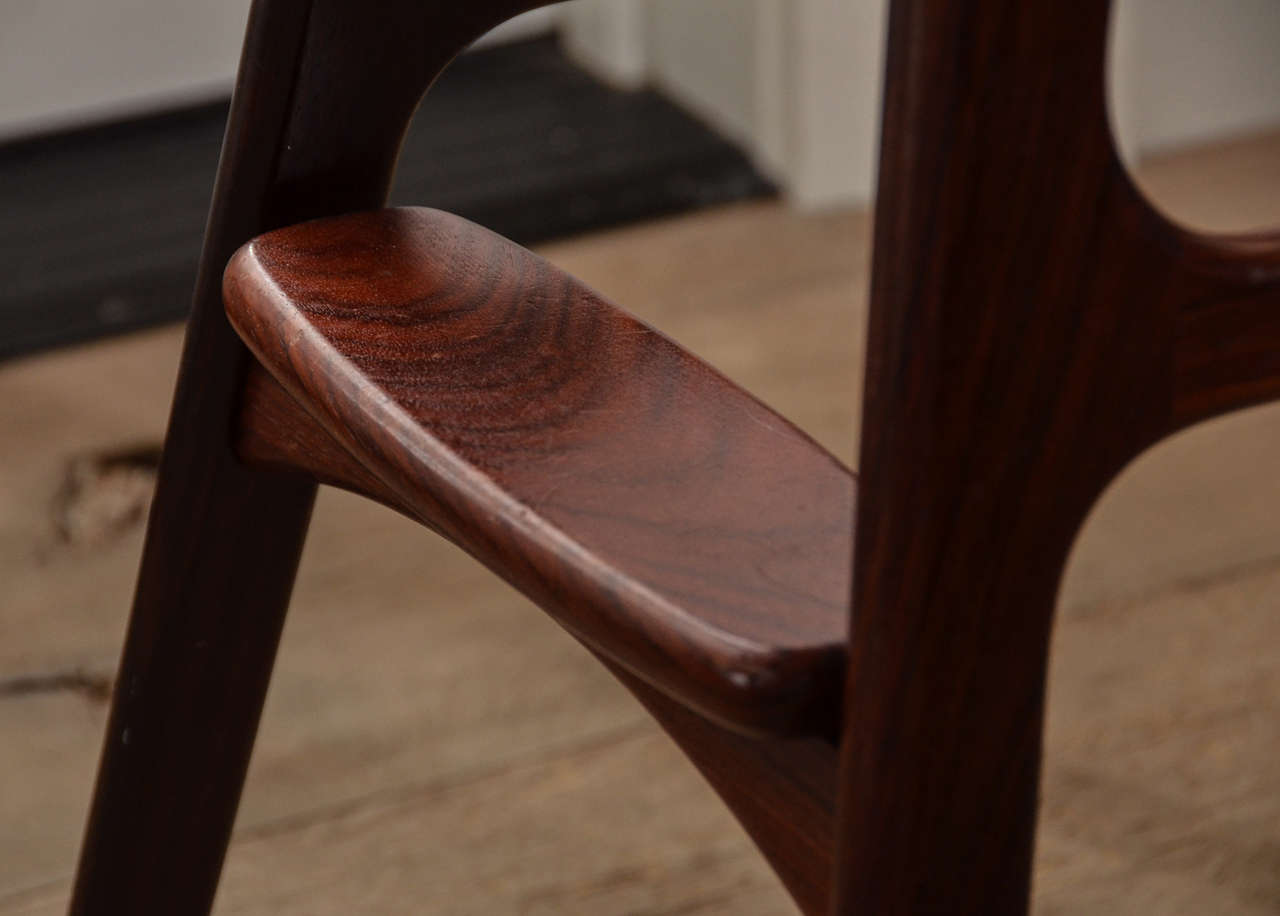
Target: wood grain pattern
(782,790)
(659,512)
(1226,339)
(1172,691)
(325,90)
(273,431)
(1034,325)
(314,129)
(400,655)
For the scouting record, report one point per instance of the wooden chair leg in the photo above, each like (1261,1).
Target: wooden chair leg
(781,789)
(1019,355)
(314,130)
(222,548)
(206,620)
(939,791)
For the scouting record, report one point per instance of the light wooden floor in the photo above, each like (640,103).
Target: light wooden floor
(433,745)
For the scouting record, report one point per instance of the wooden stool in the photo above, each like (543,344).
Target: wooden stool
(1034,326)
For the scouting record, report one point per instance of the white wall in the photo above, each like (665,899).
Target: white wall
(1196,70)
(67,61)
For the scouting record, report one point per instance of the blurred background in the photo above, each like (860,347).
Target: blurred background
(571,118)
(432,744)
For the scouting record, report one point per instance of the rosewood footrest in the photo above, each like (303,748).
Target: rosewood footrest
(660,513)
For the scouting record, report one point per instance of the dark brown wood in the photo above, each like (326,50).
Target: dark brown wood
(782,790)
(221,551)
(1226,339)
(325,91)
(660,513)
(314,130)
(273,431)
(1034,326)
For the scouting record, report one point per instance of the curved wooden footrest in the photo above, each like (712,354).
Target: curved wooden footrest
(664,516)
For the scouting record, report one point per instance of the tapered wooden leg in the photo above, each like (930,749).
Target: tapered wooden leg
(201,643)
(222,548)
(325,91)
(1018,357)
(940,785)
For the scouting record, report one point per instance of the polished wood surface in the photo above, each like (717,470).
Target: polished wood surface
(781,790)
(1034,326)
(314,129)
(1159,793)
(666,517)
(211,596)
